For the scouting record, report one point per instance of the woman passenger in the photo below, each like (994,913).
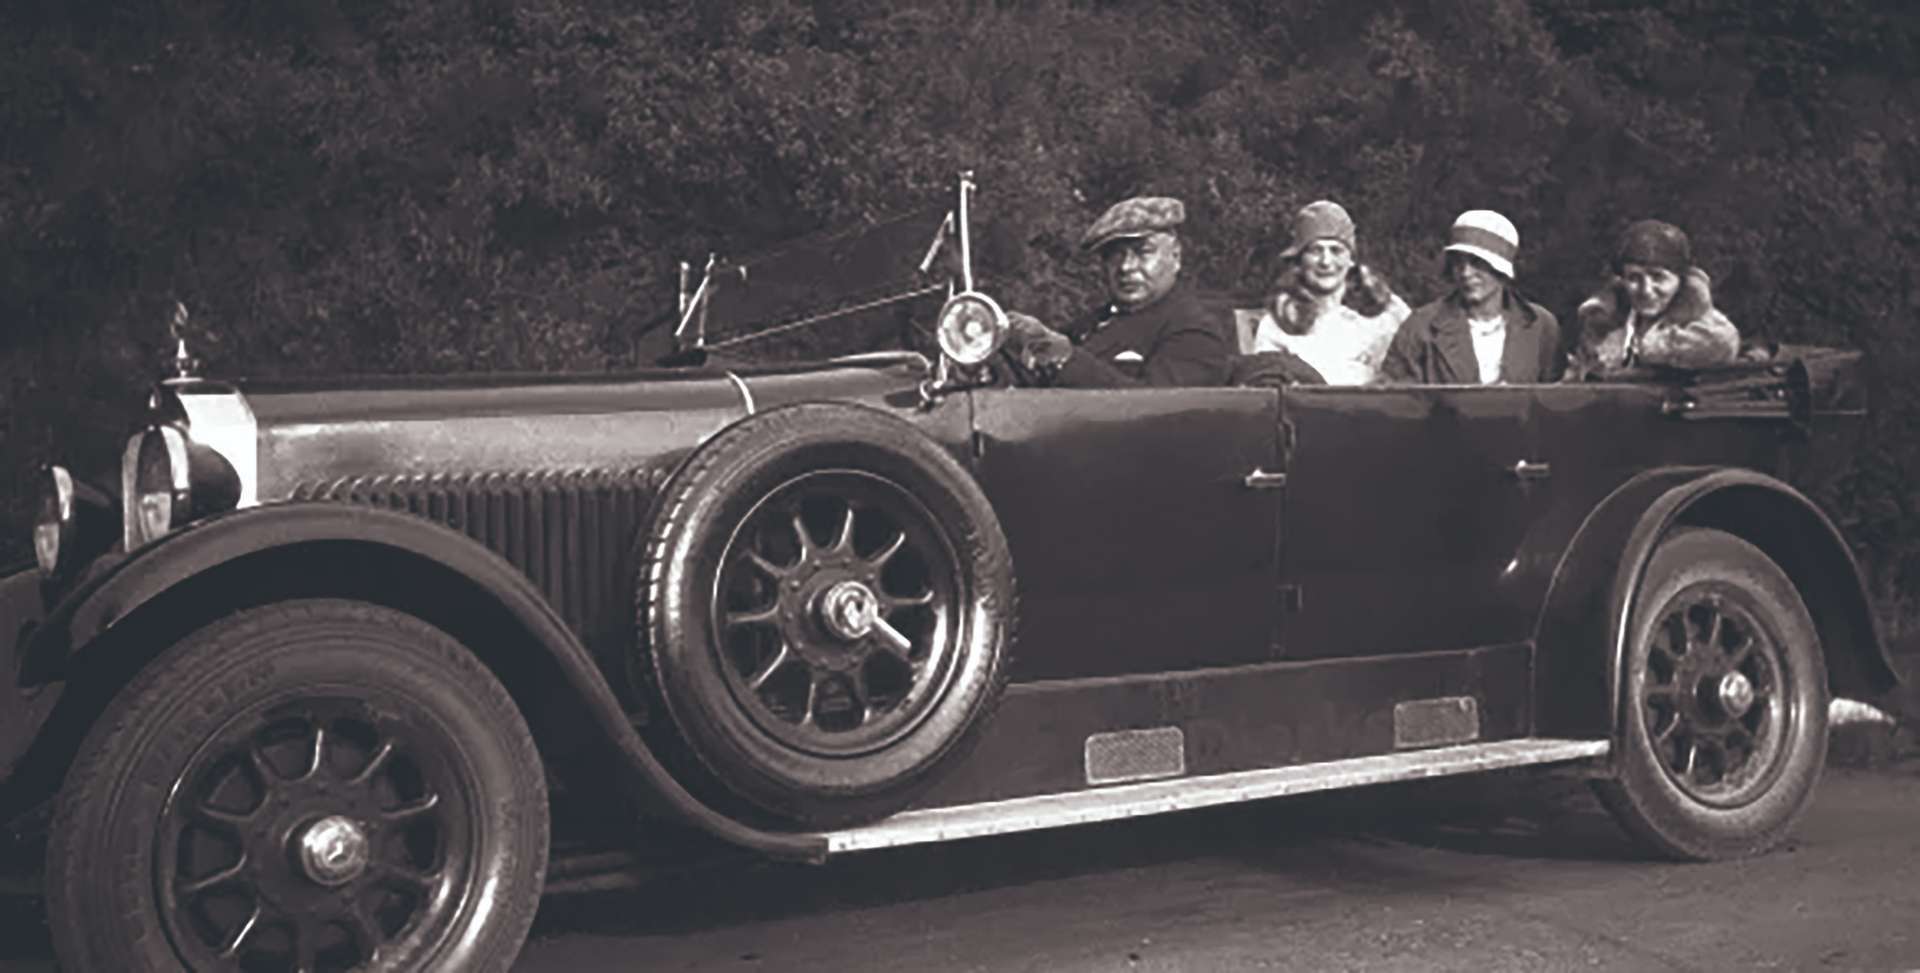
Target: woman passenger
(1326,309)
(1657,310)
(1484,333)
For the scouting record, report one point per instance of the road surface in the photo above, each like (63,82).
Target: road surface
(1507,875)
(1488,874)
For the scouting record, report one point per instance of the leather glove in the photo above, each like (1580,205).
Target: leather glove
(1040,349)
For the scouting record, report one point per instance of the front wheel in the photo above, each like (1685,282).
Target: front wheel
(1723,727)
(306,786)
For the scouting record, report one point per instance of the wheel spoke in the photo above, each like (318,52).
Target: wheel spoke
(907,601)
(362,927)
(1738,656)
(375,763)
(390,874)
(771,666)
(319,752)
(269,775)
(306,944)
(844,542)
(813,699)
(410,810)
(859,683)
(1676,637)
(760,616)
(225,876)
(882,556)
(774,572)
(805,539)
(1712,640)
(1666,732)
(239,938)
(1693,758)
(233,821)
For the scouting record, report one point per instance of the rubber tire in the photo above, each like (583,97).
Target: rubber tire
(1641,796)
(101,870)
(711,738)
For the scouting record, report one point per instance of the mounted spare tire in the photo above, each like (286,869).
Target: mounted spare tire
(826,602)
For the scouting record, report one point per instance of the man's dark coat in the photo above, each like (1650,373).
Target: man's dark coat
(1179,339)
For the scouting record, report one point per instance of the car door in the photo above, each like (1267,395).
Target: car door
(1142,532)
(1406,511)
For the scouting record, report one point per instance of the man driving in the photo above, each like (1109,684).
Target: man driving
(1153,331)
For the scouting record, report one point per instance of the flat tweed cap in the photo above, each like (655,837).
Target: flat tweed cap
(1134,217)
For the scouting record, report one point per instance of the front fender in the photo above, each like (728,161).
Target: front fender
(23,708)
(1582,632)
(92,614)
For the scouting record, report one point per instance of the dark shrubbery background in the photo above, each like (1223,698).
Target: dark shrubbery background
(431,185)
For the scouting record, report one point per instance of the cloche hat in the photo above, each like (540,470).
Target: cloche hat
(1654,244)
(1320,220)
(1489,236)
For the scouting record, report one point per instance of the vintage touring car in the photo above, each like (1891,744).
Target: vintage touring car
(310,687)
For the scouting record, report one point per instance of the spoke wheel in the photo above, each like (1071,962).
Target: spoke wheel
(835,613)
(1712,697)
(827,604)
(1723,702)
(311,786)
(310,838)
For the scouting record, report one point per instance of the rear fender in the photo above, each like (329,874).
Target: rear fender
(104,631)
(1582,632)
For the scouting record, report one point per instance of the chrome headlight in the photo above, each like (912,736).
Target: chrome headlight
(74,522)
(168,480)
(971,327)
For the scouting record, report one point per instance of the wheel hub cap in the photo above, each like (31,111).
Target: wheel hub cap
(848,610)
(333,850)
(1736,694)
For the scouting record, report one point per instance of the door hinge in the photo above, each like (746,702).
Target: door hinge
(1290,598)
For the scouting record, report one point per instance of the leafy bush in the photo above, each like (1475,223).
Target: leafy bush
(430,185)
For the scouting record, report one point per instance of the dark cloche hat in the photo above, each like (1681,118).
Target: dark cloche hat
(1134,217)
(1654,244)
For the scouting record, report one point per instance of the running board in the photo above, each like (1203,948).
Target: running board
(1161,796)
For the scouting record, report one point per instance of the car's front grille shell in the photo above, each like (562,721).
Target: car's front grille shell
(571,533)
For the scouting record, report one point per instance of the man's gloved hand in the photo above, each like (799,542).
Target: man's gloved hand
(1039,349)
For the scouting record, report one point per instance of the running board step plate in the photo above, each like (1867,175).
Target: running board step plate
(1161,796)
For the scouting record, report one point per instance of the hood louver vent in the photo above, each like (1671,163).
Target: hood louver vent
(571,533)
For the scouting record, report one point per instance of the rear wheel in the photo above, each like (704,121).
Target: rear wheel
(307,786)
(1723,724)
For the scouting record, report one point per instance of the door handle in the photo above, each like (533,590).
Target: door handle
(1262,480)
(1524,471)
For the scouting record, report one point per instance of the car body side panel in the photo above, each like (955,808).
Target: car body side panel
(1404,518)
(1232,719)
(1138,543)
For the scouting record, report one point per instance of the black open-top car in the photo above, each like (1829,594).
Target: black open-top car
(323,678)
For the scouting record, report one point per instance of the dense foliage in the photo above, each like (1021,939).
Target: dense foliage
(344,185)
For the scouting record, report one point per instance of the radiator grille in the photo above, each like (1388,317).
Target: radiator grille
(571,533)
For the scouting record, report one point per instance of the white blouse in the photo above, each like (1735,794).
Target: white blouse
(1343,345)
(1489,344)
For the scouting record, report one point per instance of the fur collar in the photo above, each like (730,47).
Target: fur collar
(1607,310)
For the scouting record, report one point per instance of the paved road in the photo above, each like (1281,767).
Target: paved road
(1503,876)
(1489,875)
